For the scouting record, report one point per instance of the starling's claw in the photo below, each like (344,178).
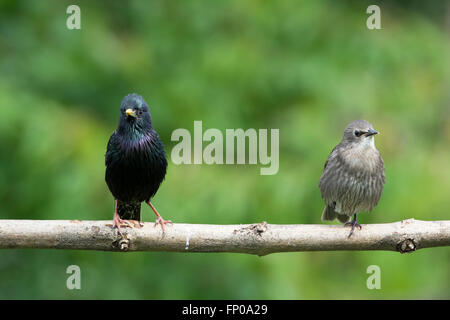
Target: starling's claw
(162,222)
(159,219)
(118,222)
(135,223)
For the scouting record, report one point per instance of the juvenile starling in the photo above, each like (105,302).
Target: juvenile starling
(353,175)
(135,162)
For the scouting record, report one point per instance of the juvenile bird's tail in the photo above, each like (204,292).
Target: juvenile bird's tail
(129,210)
(329,214)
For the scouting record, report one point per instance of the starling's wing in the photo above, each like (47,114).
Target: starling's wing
(111,149)
(157,162)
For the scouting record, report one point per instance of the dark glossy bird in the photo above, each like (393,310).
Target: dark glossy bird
(353,176)
(135,162)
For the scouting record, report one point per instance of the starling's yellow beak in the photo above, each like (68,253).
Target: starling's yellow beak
(130,112)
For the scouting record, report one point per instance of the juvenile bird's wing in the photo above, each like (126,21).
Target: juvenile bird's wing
(331,160)
(329,185)
(328,212)
(378,182)
(328,181)
(328,159)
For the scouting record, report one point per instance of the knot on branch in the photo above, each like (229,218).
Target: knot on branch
(256,229)
(407,245)
(122,244)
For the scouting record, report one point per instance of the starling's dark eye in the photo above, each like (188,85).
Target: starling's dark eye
(139,112)
(358,133)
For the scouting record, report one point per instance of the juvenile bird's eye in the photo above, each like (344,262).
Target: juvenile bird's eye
(358,133)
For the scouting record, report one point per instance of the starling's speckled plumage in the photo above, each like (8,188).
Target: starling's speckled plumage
(135,161)
(353,175)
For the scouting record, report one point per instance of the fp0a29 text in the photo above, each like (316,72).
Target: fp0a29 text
(242,309)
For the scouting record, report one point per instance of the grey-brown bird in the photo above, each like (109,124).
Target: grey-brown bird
(353,176)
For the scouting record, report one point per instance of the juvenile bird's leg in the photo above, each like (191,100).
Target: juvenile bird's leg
(159,219)
(353,224)
(117,221)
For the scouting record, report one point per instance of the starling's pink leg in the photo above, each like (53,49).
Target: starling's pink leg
(117,221)
(159,219)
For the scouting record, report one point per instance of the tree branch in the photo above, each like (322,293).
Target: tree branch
(260,239)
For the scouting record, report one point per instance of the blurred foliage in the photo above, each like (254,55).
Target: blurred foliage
(307,68)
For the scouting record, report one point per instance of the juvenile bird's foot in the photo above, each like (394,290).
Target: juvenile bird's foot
(353,224)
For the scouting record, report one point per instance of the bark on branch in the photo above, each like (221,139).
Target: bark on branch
(260,239)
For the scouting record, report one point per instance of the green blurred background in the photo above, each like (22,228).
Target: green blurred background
(305,67)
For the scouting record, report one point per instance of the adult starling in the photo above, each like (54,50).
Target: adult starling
(135,162)
(353,175)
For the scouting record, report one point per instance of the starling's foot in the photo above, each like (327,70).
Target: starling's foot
(353,224)
(162,222)
(135,223)
(159,219)
(117,222)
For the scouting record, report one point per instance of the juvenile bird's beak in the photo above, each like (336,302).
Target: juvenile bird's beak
(371,132)
(130,112)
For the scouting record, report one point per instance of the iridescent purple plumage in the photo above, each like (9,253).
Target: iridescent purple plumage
(135,160)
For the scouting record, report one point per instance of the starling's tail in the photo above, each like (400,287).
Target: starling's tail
(129,210)
(328,213)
